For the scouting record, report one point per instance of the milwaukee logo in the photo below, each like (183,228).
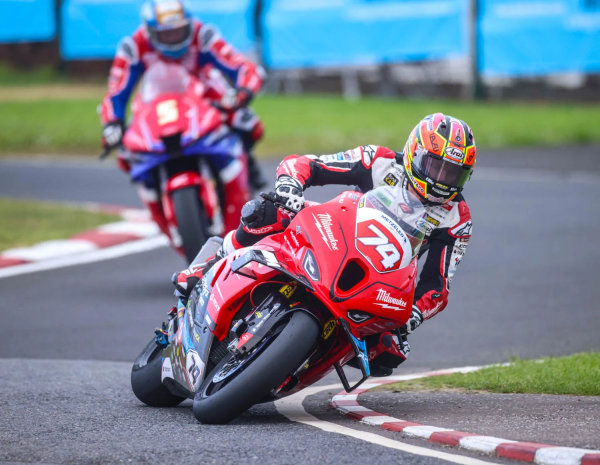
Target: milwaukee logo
(323,223)
(385,296)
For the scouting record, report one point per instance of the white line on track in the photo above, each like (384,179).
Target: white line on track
(291,408)
(99,255)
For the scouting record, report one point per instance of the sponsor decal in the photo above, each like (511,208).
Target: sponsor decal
(433,139)
(463,230)
(323,224)
(167,370)
(385,296)
(289,167)
(328,328)
(288,290)
(431,220)
(353,196)
(215,303)
(454,153)
(368,154)
(298,230)
(309,264)
(406,208)
(391,180)
(264,230)
(194,368)
(384,198)
(429,313)
(270,258)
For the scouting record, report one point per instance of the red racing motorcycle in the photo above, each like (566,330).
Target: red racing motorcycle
(174,148)
(272,319)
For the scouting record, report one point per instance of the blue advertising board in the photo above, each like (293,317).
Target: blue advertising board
(92,28)
(312,33)
(535,37)
(27,21)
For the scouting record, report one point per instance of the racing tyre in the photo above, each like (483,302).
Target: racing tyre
(145,379)
(219,405)
(191,221)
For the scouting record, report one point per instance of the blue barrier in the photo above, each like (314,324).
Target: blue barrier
(312,33)
(93,28)
(536,37)
(27,21)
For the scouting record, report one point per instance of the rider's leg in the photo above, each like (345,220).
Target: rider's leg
(233,174)
(251,129)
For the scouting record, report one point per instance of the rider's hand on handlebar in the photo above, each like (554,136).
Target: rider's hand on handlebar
(236,98)
(112,134)
(415,320)
(289,192)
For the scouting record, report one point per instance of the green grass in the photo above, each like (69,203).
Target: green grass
(25,222)
(577,375)
(315,124)
(15,77)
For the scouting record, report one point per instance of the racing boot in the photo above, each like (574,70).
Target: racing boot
(386,352)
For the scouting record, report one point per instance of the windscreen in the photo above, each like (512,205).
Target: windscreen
(162,78)
(404,208)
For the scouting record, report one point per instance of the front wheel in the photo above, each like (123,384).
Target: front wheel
(219,402)
(192,223)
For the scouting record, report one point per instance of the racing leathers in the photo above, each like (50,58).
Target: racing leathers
(230,79)
(448,226)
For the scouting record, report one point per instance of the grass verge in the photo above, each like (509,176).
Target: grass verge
(305,124)
(25,222)
(577,375)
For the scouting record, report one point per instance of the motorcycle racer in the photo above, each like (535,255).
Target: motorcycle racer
(437,161)
(170,34)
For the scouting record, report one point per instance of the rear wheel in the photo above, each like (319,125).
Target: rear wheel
(146,379)
(192,222)
(230,390)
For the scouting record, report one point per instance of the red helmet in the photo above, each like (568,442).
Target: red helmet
(439,157)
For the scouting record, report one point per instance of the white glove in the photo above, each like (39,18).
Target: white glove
(415,320)
(112,134)
(290,191)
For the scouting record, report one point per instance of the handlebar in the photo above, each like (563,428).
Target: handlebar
(270,197)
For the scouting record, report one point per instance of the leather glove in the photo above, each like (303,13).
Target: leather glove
(236,98)
(289,192)
(112,134)
(415,320)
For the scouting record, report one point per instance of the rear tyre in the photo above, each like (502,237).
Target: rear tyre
(267,372)
(192,222)
(145,379)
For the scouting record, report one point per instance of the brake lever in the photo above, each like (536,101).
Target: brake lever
(271,198)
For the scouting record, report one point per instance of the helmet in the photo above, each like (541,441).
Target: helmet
(169,25)
(439,157)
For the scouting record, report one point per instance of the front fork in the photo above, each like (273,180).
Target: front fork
(360,350)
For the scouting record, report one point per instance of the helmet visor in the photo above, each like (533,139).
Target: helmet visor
(441,170)
(174,36)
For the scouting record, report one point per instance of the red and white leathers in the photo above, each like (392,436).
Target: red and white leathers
(208,51)
(215,63)
(449,226)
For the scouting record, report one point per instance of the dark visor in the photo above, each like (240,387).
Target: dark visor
(174,36)
(440,170)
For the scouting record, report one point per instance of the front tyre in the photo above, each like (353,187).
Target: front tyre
(192,223)
(146,379)
(270,369)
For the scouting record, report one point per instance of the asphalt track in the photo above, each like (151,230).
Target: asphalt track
(527,287)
